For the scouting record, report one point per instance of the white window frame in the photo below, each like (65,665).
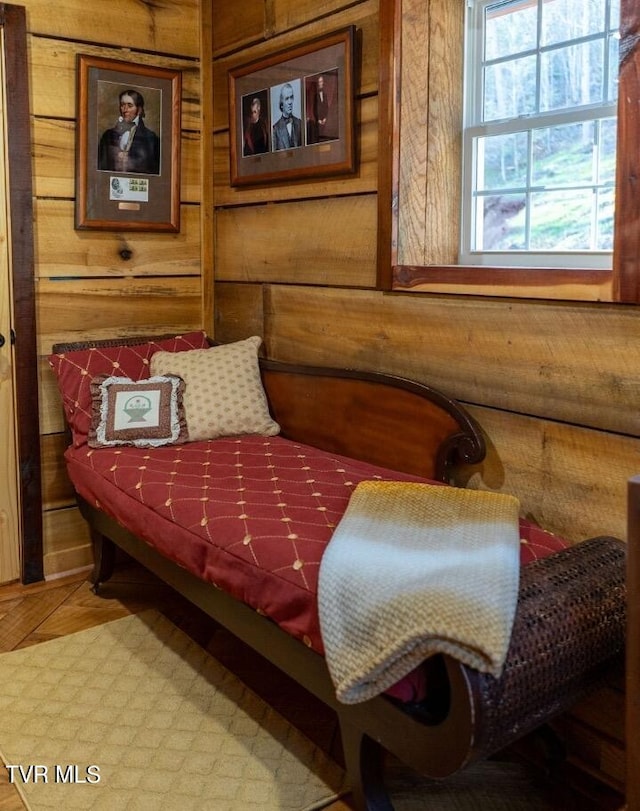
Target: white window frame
(473,127)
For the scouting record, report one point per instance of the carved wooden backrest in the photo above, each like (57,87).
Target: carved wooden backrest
(378,418)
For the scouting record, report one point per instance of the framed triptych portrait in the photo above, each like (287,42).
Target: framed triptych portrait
(291,114)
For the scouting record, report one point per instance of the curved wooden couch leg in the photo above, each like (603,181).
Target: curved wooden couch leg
(364,763)
(104,558)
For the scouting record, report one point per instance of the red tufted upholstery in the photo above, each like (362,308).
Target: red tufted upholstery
(251,514)
(75,371)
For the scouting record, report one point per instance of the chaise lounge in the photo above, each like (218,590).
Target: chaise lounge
(238,523)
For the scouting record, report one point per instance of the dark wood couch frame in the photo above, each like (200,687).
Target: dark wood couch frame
(405,426)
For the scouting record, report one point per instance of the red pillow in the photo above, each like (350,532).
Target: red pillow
(75,371)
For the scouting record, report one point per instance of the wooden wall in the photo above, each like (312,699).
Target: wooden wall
(554,384)
(84,286)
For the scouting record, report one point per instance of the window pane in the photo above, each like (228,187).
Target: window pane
(572,76)
(561,221)
(604,236)
(563,156)
(502,161)
(538,147)
(510,28)
(510,89)
(615,14)
(500,222)
(614,55)
(563,20)
(607,151)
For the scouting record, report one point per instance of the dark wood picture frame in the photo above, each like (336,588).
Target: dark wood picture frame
(402,71)
(127,178)
(313,83)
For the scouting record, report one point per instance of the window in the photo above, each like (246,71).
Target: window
(539,137)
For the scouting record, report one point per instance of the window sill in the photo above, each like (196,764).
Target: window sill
(480,280)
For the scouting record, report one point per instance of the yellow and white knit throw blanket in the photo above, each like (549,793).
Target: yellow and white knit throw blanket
(416,569)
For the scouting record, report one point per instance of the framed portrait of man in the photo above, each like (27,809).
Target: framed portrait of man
(128,146)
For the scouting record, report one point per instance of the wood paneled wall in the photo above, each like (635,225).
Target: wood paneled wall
(554,384)
(84,286)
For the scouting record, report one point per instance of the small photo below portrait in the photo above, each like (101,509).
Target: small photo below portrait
(286,107)
(321,107)
(128,128)
(255,127)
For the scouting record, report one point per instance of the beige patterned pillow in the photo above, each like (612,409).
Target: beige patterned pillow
(223,393)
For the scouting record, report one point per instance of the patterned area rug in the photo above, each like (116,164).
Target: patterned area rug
(135,715)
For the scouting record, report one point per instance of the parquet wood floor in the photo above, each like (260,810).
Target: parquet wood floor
(33,614)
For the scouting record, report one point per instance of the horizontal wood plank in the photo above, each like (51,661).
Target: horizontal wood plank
(567,284)
(598,756)
(569,480)
(168,27)
(364,16)
(57,490)
(239,311)
(53,76)
(232,30)
(68,309)
(294,242)
(67,544)
(287,15)
(553,360)
(602,710)
(49,402)
(66,253)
